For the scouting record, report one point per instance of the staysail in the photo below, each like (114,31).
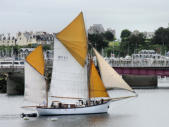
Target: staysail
(96,86)
(110,77)
(35,84)
(69,74)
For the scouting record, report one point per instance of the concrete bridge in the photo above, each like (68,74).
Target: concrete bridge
(136,76)
(15,76)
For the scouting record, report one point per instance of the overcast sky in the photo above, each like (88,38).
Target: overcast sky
(53,15)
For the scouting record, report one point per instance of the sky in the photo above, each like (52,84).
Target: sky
(54,15)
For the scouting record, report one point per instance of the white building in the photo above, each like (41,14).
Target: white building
(26,38)
(148,35)
(7,40)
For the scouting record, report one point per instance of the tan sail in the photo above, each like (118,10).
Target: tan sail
(36,60)
(96,87)
(110,77)
(73,37)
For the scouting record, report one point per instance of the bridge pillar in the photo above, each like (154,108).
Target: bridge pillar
(141,81)
(15,83)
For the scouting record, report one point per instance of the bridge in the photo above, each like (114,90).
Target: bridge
(15,66)
(157,71)
(135,74)
(15,75)
(140,66)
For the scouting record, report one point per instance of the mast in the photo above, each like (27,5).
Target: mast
(46,80)
(46,93)
(88,77)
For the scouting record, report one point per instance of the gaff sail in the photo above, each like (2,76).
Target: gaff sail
(35,84)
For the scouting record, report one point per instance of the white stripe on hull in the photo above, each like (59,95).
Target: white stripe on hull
(103,108)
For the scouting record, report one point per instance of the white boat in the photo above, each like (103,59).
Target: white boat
(101,108)
(76,87)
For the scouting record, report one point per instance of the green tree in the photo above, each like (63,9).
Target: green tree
(109,36)
(136,42)
(161,37)
(97,41)
(125,34)
(125,45)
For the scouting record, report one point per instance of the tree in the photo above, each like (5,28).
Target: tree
(136,41)
(109,36)
(125,45)
(125,34)
(161,37)
(97,41)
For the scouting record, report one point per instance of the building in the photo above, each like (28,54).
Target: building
(26,38)
(96,28)
(148,35)
(135,32)
(23,52)
(7,40)
(113,31)
(44,38)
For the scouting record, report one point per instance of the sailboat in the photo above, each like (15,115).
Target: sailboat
(76,86)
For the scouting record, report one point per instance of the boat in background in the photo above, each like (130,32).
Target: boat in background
(76,86)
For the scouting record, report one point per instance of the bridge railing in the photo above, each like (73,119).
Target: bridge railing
(138,63)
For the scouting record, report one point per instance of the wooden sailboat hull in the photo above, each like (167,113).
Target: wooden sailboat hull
(102,108)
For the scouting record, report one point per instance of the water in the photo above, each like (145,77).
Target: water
(150,109)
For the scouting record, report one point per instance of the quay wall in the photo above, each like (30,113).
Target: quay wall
(141,81)
(15,83)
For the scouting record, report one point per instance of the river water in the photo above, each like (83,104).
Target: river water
(149,109)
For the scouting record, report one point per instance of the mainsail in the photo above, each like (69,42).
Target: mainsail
(110,77)
(69,74)
(96,86)
(35,84)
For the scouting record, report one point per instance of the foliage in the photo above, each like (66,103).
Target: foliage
(161,37)
(125,34)
(100,40)
(109,36)
(97,41)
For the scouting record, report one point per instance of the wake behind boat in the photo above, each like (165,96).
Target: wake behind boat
(76,86)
